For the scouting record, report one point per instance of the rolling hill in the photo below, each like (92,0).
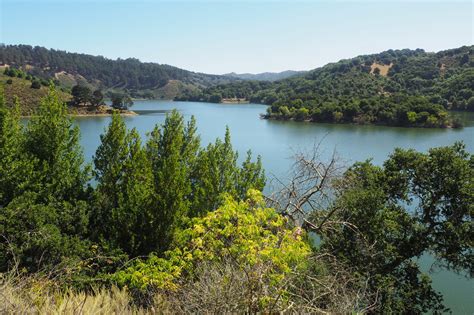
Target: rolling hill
(139,79)
(379,88)
(265,76)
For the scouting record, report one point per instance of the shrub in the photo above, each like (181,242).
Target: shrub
(35,85)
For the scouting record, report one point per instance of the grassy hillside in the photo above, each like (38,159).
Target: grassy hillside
(29,97)
(139,79)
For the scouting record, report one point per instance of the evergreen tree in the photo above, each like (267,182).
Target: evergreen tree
(251,176)
(109,161)
(124,189)
(135,194)
(16,170)
(53,141)
(172,150)
(216,173)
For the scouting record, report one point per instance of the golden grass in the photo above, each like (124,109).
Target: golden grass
(29,296)
(383,68)
(29,98)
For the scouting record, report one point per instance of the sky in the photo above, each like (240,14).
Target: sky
(236,36)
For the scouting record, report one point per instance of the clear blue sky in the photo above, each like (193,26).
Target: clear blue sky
(241,36)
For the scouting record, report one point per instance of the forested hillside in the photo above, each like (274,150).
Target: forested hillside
(395,87)
(139,79)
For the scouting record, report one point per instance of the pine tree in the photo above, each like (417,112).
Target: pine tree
(123,195)
(216,172)
(53,140)
(15,168)
(134,208)
(251,176)
(172,150)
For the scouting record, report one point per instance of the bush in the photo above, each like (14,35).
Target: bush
(35,85)
(254,240)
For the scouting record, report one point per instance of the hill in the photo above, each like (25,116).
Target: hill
(380,88)
(265,76)
(139,79)
(31,90)
(28,96)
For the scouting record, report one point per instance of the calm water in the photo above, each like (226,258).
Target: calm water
(276,142)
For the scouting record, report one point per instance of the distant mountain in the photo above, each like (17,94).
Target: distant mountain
(265,76)
(140,79)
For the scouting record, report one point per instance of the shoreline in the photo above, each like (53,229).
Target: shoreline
(130,113)
(266,117)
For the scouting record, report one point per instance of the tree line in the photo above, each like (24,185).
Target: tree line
(172,221)
(129,74)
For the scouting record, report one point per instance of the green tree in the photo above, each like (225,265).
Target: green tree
(82,95)
(171,150)
(52,140)
(216,173)
(121,101)
(251,176)
(109,161)
(97,98)
(16,169)
(416,203)
(215,98)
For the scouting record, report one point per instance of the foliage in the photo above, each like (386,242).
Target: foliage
(123,174)
(121,101)
(52,141)
(416,203)
(253,237)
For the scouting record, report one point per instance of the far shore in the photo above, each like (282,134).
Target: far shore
(129,113)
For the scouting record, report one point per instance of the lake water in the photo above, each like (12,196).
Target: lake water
(276,142)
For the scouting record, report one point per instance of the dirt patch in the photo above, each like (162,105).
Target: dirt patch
(382,68)
(234,101)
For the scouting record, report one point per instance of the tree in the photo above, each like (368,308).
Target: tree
(15,167)
(81,94)
(248,236)
(109,161)
(416,203)
(215,98)
(124,189)
(121,101)
(60,162)
(97,98)
(172,150)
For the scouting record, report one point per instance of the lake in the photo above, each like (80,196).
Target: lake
(276,142)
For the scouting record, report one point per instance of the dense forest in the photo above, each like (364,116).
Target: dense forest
(395,87)
(168,224)
(140,79)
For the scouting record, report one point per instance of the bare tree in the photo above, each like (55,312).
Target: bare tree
(314,184)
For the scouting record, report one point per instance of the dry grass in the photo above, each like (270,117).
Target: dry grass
(383,68)
(214,288)
(29,98)
(39,296)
